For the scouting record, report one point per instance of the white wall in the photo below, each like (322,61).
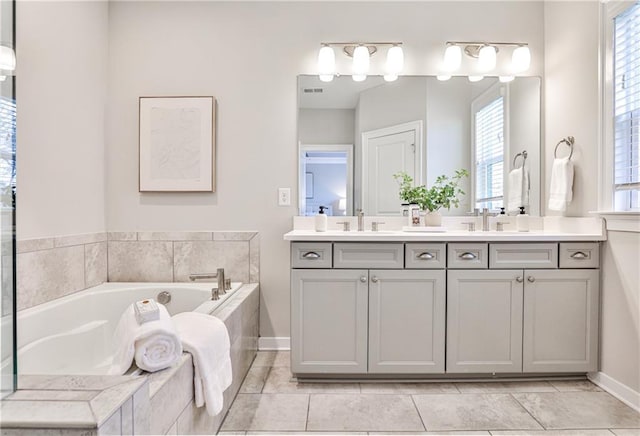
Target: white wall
(61,87)
(326,126)
(248,55)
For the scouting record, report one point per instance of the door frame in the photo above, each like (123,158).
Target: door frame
(418,128)
(303,148)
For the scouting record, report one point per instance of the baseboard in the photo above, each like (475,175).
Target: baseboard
(274,343)
(622,392)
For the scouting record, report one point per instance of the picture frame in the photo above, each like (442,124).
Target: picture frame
(308,183)
(176,144)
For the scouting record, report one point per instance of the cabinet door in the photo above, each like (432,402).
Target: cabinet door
(484,321)
(560,320)
(406,321)
(329,321)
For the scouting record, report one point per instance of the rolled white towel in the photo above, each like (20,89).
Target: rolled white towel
(154,345)
(561,189)
(207,339)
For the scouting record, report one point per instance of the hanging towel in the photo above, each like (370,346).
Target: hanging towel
(518,184)
(561,190)
(207,339)
(154,345)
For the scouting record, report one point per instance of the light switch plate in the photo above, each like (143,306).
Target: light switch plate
(284,196)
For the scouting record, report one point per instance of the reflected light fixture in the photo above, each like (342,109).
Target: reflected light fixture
(361,53)
(7,58)
(443,77)
(506,79)
(520,59)
(326,63)
(475,78)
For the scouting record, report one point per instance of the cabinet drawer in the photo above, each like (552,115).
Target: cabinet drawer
(364,255)
(465,255)
(425,256)
(311,255)
(579,255)
(510,255)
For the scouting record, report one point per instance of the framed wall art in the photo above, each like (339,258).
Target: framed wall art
(177,144)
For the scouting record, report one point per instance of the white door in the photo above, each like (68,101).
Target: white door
(385,153)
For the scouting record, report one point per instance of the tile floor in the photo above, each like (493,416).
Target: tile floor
(270,403)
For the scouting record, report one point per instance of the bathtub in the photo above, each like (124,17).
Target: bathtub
(73,334)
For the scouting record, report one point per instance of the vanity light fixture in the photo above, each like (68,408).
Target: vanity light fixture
(486,54)
(443,77)
(506,79)
(361,53)
(475,78)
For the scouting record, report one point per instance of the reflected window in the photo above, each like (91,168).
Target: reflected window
(489,146)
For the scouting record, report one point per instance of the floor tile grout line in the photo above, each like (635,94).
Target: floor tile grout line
(413,400)
(527,410)
(306,422)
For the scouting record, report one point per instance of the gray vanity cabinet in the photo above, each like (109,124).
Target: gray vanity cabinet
(484,321)
(560,320)
(406,321)
(329,310)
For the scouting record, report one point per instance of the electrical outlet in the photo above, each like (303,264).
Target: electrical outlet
(284,196)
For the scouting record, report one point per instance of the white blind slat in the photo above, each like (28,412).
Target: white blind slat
(489,150)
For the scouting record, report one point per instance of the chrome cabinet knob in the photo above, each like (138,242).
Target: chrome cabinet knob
(363,279)
(375,279)
(519,279)
(531,279)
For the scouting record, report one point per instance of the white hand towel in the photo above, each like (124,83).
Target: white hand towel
(518,184)
(207,339)
(154,345)
(561,190)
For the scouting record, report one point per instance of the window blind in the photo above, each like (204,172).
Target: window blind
(626,59)
(7,142)
(489,154)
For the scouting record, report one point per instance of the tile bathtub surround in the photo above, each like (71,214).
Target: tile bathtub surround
(555,408)
(50,268)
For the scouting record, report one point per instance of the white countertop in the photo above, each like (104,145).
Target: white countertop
(543,229)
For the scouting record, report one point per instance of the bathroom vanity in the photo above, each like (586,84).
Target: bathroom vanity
(449,304)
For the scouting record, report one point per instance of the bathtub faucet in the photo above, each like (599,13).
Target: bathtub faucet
(217,275)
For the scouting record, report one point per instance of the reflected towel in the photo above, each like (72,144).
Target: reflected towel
(154,345)
(207,339)
(518,184)
(561,189)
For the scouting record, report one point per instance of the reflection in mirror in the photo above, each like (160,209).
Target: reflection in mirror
(425,128)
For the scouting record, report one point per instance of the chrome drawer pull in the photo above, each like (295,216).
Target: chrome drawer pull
(425,256)
(311,255)
(579,255)
(467,256)
(375,279)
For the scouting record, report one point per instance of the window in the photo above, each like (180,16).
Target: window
(7,149)
(626,109)
(489,152)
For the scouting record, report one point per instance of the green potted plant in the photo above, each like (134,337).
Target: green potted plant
(443,193)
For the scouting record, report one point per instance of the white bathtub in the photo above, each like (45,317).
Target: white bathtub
(73,334)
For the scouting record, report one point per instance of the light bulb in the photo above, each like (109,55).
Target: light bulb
(520,59)
(390,77)
(487,58)
(443,77)
(452,58)
(395,60)
(475,78)
(360,60)
(505,79)
(359,77)
(326,63)
(7,58)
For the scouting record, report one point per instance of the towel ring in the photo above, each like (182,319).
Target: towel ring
(524,158)
(569,141)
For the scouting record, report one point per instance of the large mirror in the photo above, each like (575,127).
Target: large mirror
(353,136)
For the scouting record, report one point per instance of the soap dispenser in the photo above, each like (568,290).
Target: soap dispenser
(522,221)
(321,220)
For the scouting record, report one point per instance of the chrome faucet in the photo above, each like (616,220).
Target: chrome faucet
(485,219)
(360,220)
(219,274)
